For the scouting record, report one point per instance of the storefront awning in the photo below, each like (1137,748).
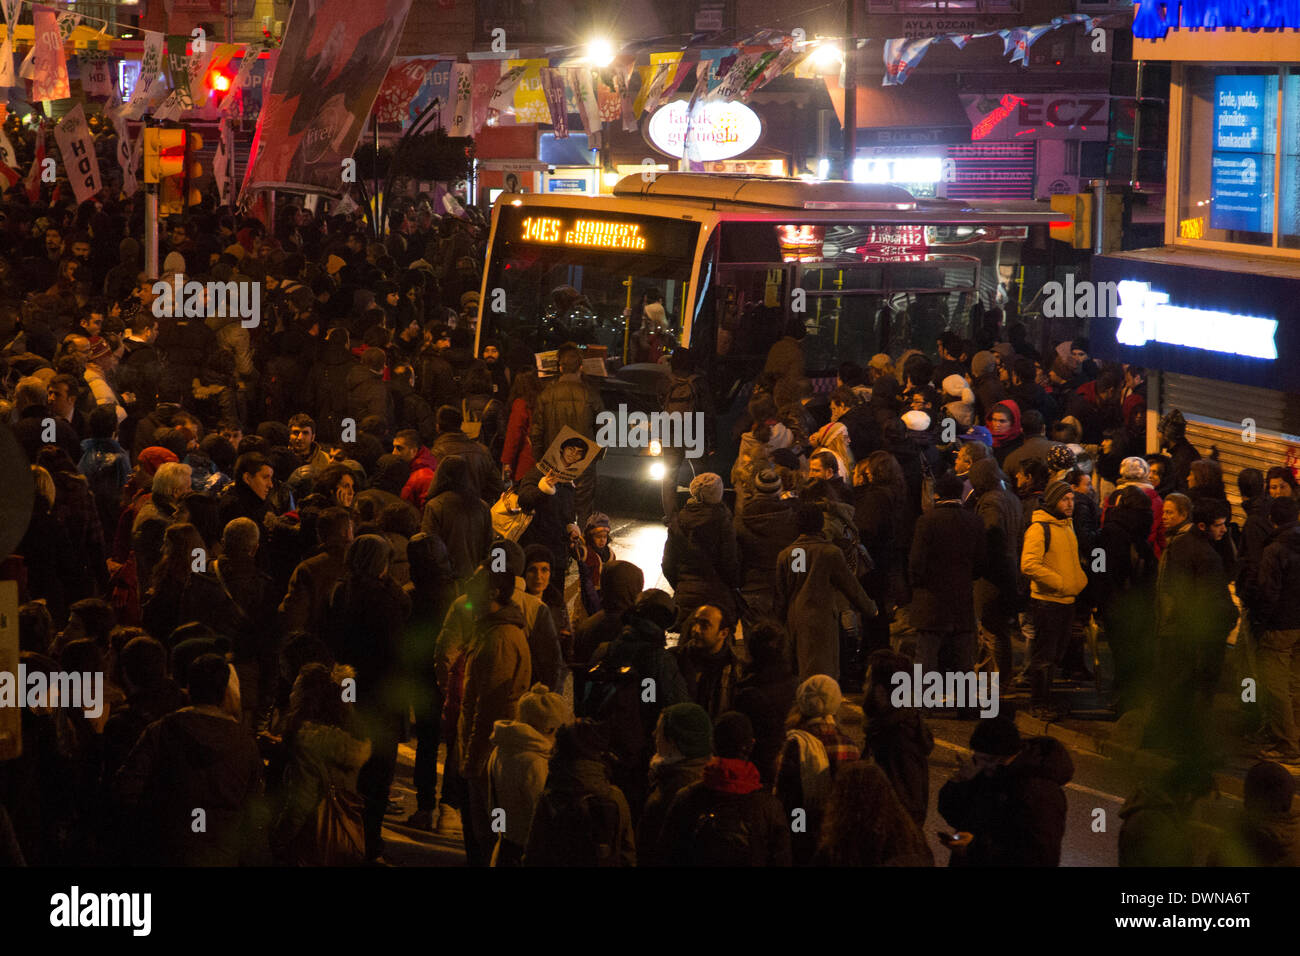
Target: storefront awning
(925,111)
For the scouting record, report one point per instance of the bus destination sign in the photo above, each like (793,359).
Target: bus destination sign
(592,233)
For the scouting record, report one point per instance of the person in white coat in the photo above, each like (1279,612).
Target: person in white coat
(518,766)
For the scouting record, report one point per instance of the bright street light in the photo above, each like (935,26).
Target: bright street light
(600,52)
(826,56)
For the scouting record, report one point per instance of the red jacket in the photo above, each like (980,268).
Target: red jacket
(423,467)
(517,454)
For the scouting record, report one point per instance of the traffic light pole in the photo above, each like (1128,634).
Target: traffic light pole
(151,230)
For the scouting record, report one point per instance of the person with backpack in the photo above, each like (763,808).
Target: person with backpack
(518,765)
(683,745)
(727,818)
(615,684)
(484,416)
(105,465)
(701,560)
(815,749)
(582,818)
(683,393)
(1050,560)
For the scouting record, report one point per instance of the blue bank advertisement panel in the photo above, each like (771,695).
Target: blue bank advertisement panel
(1245,138)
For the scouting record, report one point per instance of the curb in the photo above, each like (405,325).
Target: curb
(1146,761)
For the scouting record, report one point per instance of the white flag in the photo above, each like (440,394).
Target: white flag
(221,167)
(151,64)
(461,93)
(78,149)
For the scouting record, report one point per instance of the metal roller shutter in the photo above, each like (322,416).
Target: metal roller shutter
(1215,412)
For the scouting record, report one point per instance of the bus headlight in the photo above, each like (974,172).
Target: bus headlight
(657,471)
(656,448)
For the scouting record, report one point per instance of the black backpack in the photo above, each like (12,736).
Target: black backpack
(681,395)
(613,697)
(721,838)
(583,826)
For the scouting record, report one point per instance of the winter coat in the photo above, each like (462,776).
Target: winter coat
(552,516)
(578,778)
(1055,576)
(496,676)
(568,401)
(1260,839)
(517,454)
(328,386)
(465,526)
(368,395)
(711,679)
(542,635)
(1193,606)
(884,525)
(667,779)
(763,530)
(948,554)
(305,602)
(485,471)
(729,790)
(785,358)
(1156,533)
(364,629)
(517,769)
(420,480)
(765,695)
(1035,446)
(240,501)
(1278,582)
(186,345)
(999,508)
(642,644)
(320,756)
(1016,812)
(899,741)
(195,757)
(805,601)
(620,584)
(701,560)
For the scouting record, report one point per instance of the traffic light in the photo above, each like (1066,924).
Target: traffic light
(220,82)
(164,164)
(193,169)
(1078,207)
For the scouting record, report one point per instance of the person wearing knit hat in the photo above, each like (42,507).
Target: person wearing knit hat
(1059,461)
(594,554)
(916,421)
(1134,469)
(174,264)
(688,729)
(819,696)
(683,746)
(1050,559)
(701,560)
(707,488)
(519,764)
(767,482)
(804,770)
(733,736)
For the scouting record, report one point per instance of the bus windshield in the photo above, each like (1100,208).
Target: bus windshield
(579,276)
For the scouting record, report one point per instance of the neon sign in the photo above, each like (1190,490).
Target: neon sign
(1146,316)
(1152,21)
(592,233)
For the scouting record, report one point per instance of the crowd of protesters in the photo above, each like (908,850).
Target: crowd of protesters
(281,544)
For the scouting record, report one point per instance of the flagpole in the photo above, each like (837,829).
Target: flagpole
(850,87)
(150,220)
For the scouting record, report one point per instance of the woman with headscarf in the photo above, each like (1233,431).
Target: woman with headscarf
(1135,472)
(364,629)
(1004,423)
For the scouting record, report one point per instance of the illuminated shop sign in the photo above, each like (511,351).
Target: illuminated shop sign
(1152,21)
(1146,316)
(717,130)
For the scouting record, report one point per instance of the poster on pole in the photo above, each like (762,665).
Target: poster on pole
(335,55)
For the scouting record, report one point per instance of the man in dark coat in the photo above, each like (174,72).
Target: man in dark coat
(700,560)
(452,441)
(708,661)
(1278,594)
(948,554)
(998,507)
(765,695)
(1010,798)
(810,575)
(763,530)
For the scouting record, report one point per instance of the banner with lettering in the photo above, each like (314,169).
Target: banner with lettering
(665,68)
(504,91)
(530,98)
(49,65)
(486,74)
(404,79)
(439,84)
(461,100)
(334,58)
(125,147)
(96,76)
(553,87)
(583,83)
(150,82)
(78,149)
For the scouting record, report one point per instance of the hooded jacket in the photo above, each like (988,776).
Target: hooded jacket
(949,552)
(319,755)
(729,791)
(667,779)
(517,769)
(620,584)
(579,778)
(465,526)
(420,480)
(195,757)
(765,528)
(1278,581)
(701,560)
(485,471)
(496,676)
(1054,571)
(1016,813)
(999,508)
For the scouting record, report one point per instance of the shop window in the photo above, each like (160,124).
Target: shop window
(1239,179)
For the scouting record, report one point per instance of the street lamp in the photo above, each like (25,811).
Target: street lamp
(600,52)
(826,57)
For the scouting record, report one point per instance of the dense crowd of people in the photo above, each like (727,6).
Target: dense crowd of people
(293,544)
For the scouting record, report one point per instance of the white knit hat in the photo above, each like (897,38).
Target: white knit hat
(916,420)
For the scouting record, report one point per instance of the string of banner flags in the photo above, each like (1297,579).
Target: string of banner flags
(546,89)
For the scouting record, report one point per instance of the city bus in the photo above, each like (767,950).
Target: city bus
(865,268)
